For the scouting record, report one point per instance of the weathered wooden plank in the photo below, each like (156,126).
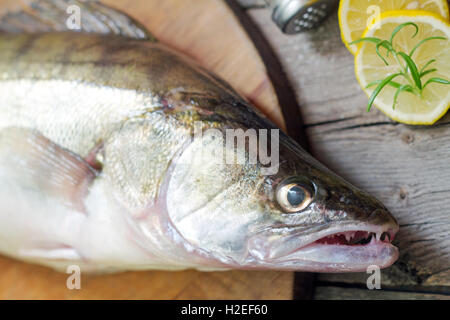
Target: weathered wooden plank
(337,293)
(405,167)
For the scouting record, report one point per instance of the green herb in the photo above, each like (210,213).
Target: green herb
(408,68)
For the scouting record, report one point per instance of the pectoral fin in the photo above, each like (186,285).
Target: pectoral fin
(35,162)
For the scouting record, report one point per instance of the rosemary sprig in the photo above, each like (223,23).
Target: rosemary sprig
(408,69)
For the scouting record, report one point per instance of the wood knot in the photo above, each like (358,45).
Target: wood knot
(408,138)
(403,194)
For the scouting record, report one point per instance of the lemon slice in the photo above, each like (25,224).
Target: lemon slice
(411,108)
(356,15)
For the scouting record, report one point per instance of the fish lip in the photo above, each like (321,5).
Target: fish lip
(352,227)
(381,254)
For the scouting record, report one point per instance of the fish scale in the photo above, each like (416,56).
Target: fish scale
(101,164)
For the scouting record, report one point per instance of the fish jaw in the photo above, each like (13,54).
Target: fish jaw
(341,258)
(342,247)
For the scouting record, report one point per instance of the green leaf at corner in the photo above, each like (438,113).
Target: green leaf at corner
(387,45)
(400,27)
(423,41)
(380,86)
(368,39)
(402,88)
(392,83)
(413,69)
(424,73)
(426,65)
(436,80)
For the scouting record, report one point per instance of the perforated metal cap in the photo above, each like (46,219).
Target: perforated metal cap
(293,16)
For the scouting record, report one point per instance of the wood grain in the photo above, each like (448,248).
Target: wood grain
(406,167)
(333,293)
(20,280)
(207,31)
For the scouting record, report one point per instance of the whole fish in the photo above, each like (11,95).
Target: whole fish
(108,159)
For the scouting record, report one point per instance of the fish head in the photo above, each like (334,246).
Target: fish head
(320,222)
(300,217)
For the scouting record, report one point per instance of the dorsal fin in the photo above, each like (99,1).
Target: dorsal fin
(90,16)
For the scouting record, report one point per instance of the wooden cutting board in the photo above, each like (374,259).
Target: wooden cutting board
(207,31)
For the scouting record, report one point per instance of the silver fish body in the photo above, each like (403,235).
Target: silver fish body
(100,167)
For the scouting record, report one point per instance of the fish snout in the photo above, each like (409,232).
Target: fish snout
(360,207)
(384,219)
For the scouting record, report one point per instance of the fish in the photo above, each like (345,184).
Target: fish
(115,155)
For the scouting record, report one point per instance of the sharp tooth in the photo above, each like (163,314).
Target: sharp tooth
(348,237)
(378,236)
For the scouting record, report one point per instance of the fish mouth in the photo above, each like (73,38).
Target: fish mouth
(357,237)
(339,248)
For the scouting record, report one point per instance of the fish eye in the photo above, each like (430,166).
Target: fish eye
(294,196)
